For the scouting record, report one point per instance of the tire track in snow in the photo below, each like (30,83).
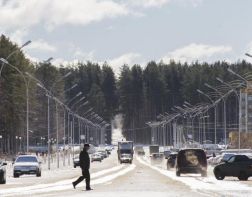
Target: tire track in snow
(205,184)
(67,184)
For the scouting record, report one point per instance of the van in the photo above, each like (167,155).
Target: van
(191,161)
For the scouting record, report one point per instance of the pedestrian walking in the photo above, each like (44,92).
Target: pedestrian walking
(85,165)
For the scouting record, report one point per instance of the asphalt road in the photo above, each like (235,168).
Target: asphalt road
(142,181)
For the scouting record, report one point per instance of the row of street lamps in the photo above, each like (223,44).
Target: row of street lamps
(189,111)
(89,119)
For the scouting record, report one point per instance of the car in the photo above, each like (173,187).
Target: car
(157,158)
(191,161)
(2,172)
(76,162)
(167,153)
(103,153)
(126,158)
(139,149)
(237,166)
(96,157)
(171,160)
(27,164)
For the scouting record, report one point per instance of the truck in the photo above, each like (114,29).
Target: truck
(125,152)
(236,166)
(154,149)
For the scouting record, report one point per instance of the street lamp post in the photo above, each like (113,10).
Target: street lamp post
(215,114)
(12,53)
(224,110)
(27,99)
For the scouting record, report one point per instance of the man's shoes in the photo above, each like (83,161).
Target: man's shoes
(73,185)
(88,189)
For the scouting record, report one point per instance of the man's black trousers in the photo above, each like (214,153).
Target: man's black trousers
(85,175)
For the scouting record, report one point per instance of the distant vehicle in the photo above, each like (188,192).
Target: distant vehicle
(76,162)
(103,153)
(96,157)
(167,153)
(125,151)
(237,166)
(153,149)
(191,161)
(171,160)
(2,172)
(27,164)
(157,158)
(126,158)
(139,150)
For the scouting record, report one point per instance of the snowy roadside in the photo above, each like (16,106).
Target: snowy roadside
(206,185)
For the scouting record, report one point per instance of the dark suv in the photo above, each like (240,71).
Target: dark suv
(191,161)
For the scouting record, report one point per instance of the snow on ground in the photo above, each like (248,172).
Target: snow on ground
(66,184)
(206,185)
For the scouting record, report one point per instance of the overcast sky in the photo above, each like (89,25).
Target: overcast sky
(130,31)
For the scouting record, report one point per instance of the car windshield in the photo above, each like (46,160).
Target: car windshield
(231,160)
(26,159)
(227,156)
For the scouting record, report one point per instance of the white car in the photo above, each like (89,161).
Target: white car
(27,164)
(96,157)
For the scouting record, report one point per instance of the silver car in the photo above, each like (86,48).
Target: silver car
(27,164)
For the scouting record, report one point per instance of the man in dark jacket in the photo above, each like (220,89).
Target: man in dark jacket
(84,164)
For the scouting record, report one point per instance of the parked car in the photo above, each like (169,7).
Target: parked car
(191,161)
(27,164)
(237,166)
(171,160)
(2,172)
(96,157)
(76,162)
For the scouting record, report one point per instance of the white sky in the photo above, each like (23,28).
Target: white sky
(130,31)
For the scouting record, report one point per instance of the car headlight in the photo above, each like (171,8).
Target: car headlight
(33,168)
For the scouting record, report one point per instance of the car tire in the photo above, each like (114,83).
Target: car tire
(38,174)
(177,173)
(3,181)
(74,166)
(218,175)
(243,176)
(15,175)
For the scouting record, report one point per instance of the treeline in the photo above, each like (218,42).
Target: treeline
(156,89)
(96,83)
(140,94)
